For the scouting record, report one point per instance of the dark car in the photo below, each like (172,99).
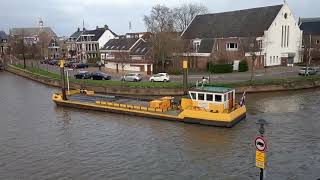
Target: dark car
(83,75)
(53,62)
(80,66)
(45,61)
(100,76)
(70,64)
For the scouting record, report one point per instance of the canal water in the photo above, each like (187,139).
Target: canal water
(41,141)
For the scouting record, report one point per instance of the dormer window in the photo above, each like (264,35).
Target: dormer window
(232,46)
(53,44)
(196,45)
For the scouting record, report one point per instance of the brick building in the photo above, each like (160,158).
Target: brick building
(270,33)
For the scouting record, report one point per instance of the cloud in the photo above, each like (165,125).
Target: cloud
(64,16)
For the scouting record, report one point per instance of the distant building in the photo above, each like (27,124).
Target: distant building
(54,49)
(33,35)
(128,53)
(3,42)
(72,44)
(228,37)
(311,36)
(90,41)
(40,36)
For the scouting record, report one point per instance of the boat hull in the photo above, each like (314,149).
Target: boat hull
(226,122)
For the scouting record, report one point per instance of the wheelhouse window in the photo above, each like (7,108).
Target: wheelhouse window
(209,97)
(218,98)
(194,96)
(201,97)
(232,46)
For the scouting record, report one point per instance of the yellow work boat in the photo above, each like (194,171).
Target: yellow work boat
(214,106)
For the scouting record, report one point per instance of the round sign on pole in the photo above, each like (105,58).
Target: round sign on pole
(260,143)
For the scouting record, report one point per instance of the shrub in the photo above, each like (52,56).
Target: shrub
(94,60)
(220,68)
(243,66)
(175,72)
(26,56)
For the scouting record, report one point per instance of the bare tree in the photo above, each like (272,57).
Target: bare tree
(252,47)
(19,47)
(184,14)
(159,20)
(164,39)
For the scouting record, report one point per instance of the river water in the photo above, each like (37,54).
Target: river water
(41,141)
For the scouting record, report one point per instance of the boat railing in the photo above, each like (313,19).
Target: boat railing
(132,107)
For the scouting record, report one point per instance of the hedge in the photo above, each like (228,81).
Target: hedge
(243,66)
(220,68)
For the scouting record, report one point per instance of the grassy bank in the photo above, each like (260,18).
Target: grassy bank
(267,82)
(42,72)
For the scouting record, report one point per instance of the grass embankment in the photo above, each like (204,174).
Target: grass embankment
(52,75)
(269,82)
(172,84)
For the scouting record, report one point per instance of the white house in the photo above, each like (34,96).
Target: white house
(90,41)
(282,41)
(226,36)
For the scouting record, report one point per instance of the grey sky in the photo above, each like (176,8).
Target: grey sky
(64,16)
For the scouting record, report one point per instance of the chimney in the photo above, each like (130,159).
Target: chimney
(106,27)
(78,29)
(97,27)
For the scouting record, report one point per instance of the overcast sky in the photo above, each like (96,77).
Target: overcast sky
(64,16)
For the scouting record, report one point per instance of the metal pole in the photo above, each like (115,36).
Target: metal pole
(261,174)
(68,80)
(308,64)
(261,122)
(63,89)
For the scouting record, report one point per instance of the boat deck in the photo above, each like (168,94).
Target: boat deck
(120,100)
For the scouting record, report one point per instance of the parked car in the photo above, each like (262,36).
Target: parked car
(134,77)
(69,64)
(83,75)
(310,71)
(80,65)
(53,62)
(160,77)
(100,76)
(45,61)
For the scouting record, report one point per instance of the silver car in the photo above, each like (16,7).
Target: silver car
(133,77)
(310,71)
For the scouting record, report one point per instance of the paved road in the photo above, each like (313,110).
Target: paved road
(270,73)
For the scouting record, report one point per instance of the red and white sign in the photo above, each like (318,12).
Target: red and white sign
(260,143)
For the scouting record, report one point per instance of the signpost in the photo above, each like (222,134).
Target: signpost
(185,76)
(261,147)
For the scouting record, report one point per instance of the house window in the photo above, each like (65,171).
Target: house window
(288,31)
(201,97)
(196,45)
(232,46)
(317,42)
(282,36)
(209,97)
(274,60)
(270,59)
(52,44)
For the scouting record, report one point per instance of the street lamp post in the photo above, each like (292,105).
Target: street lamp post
(68,82)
